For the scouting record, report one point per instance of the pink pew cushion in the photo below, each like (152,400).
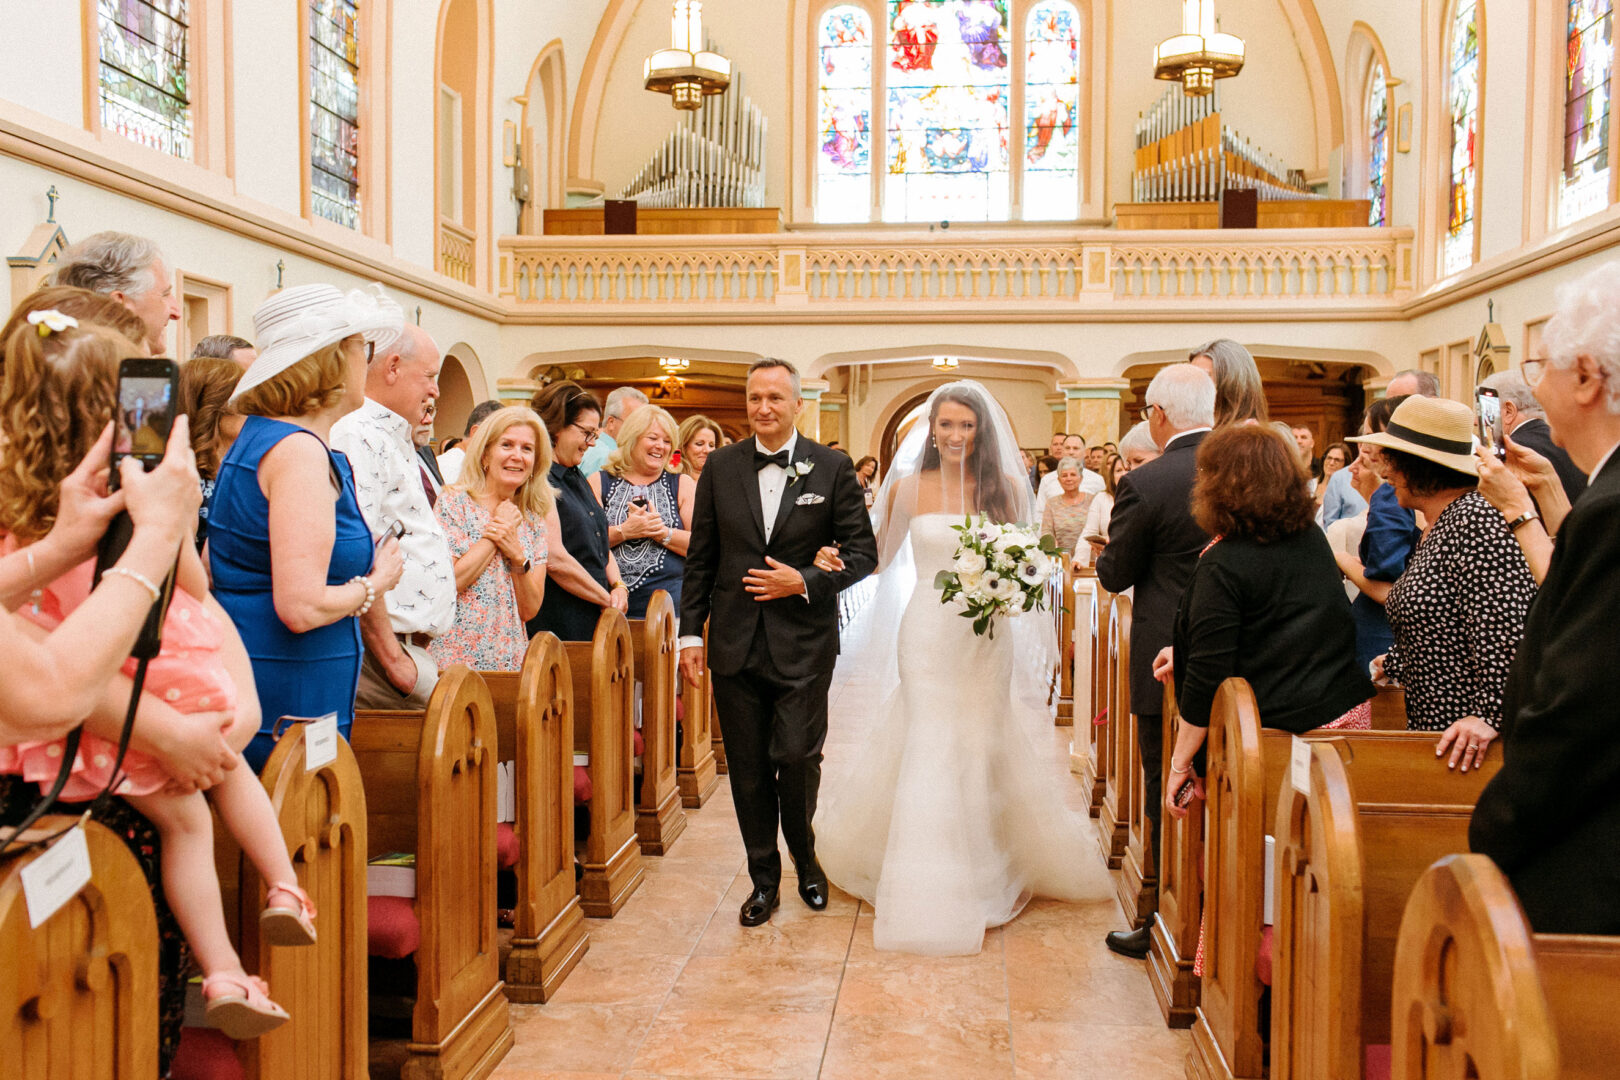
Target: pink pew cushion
(639,744)
(1262,960)
(582,785)
(1377,1063)
(392,929)
(506,845)
(205,1054)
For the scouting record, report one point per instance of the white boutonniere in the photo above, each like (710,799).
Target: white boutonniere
(799,469)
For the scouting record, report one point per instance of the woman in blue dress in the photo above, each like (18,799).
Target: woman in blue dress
(291,557)
(647,507)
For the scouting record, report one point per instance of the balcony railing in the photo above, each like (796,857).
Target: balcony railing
(456,247)
(966,272)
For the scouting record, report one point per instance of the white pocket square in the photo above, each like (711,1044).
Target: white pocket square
(809,498)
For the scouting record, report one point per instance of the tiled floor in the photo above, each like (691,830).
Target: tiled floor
(674,987)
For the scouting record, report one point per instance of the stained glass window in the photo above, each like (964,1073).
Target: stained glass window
(145,75)
(1462,96)
(948,81)
(844,132)
(1378,147)
(334,111)
(1583,185)
(1051,112)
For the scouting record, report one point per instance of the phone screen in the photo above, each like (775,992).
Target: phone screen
(145,415)
(1490,420)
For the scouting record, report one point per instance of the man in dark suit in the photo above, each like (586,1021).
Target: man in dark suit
(1551,817)
(1525,422)
(1153,545)
(764,507)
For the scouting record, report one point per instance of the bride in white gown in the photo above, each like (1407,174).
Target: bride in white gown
(949,818)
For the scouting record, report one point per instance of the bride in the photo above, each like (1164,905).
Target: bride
(949,819)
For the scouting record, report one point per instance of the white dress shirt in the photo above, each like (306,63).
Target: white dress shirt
(450,464)
(388,480)
(1090,484)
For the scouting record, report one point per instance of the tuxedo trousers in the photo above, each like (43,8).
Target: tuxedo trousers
(774,728)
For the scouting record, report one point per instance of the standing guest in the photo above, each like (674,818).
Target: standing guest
(622,404)
(131,270)
(1301,456)
(1065,513)
(1459,608)
(1551,817)
(422,438)
(1337,456)
(583,571)
(866,474)
(1387,542)
(1029,467)
(1339,499)
(1240,396)
(238,351)
(1305,439)
(1097,459)
(1045,466)
(1412,381)
(453,454)
(834,444)
(698,437)
(1095,531)
(1138,447)
(1344,536)
(206,386)
(81,305)
(1074,446)
(1525,422)
(290,555)
(1055,448)
(1153,547)
(495,516)
(648,508)
(396,490)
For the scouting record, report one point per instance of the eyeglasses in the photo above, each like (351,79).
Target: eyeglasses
(589,433)
(1149,409)
(1533,371)
(371,352)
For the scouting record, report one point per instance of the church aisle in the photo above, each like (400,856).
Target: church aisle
(674,987)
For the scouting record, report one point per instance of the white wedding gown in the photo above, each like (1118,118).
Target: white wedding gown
(947,818)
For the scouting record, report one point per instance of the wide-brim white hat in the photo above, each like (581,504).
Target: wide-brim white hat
(1435,429)
(298,322)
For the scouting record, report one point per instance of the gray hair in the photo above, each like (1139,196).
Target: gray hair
(1428,383)
(1510,386)
(614,409)
(1071,463)
(1186,394)
(481,412)
(109,262)
(220,346)
(768,362)
(1588,324)
(1137,439)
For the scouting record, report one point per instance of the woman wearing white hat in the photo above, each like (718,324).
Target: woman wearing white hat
(1459,608)
(289,503)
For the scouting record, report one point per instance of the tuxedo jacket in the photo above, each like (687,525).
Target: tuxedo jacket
(1153,546)
(822,507)
(1551,817)
(1537,436)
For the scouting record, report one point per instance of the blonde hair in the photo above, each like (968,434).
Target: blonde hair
(534,498)
(634,428)
(314,384)
(689,431)
(57,395)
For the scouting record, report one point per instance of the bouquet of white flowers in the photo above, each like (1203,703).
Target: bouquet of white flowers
(999,570)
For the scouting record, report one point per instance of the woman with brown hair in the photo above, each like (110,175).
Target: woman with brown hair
(1240,397)
(206,386)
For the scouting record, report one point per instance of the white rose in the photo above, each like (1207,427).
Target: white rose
(971,584)
(970,562)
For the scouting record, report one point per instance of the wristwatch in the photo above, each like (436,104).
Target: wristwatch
(528,564)
(1522,520)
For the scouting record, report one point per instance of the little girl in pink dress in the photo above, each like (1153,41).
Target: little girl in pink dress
(190,676)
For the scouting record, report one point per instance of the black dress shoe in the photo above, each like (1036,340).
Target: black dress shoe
(757,909)
(813,887)
(1131,943)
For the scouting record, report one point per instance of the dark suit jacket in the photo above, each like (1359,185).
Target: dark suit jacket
(1536,435)
(1551,817)
(1153,544)
(431,463)
(728,540)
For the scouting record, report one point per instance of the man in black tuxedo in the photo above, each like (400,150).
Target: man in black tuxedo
(1525,422)
(1153,545)
(1551,817)
(765,506)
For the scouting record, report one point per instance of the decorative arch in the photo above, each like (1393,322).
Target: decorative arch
(1327,103)
(593,77)
(883,440)
(544,134)
(1364,57)
(462,61)
(461,386)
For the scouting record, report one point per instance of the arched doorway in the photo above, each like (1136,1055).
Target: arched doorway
(457,395)
(544,130)
(1327,396)
(909,412)
(461,141)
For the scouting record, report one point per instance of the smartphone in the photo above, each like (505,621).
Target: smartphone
(1184,794)
(396,530)
(1489,408)
(640,501)
(148,401)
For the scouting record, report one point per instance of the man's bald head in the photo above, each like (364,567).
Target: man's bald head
(404,373)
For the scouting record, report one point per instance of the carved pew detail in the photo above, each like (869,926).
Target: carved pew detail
(697,771)
(604,718)
(1090,740)
(78,995)
(1065,616)
(430,783)
(1113,824)
(1180,890)
(659,817)
(534,723)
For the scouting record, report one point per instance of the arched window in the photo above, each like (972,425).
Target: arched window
(1583,182)
(1052,111)
(844,111)
(334,111)
(145,72)
(1462,103)
(1378,146)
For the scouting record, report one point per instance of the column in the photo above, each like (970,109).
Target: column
(1091,407)
(809,422)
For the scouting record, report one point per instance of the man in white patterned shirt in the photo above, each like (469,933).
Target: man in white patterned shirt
(402,379)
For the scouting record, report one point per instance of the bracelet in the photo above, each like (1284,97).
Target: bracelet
(1522,520)
(618,585)
(371,594)
(136,576)
(1177,772)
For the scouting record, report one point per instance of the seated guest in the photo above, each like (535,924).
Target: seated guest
(648,508)
(1525,422)
(1387,541)
(292,558)
(698,437)
(583,573)
(453,452)
(129,269)
(1065,513)
(206,385)
(238,351)
(1240,396)
(495,516)
(1551,817)
(1458,610)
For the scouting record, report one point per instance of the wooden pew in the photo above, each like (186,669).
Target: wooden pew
(78,995)
(1352,840)
(659,817)
(1174,938)
(1389,709)
(430,786)
(534,727)
(716,743)
(1085,590)
(604,721)
(1113,824)
(1065,615)
(1139,878)
(1088,758)
(697,771)
(1478,994)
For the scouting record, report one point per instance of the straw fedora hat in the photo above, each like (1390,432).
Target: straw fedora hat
(298,322)
(1435,429)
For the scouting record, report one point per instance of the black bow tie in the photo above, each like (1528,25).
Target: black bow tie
(762,459)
